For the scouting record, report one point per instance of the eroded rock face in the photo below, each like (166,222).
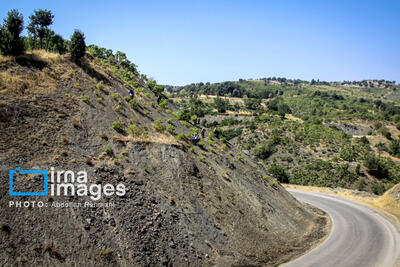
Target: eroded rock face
(180,208)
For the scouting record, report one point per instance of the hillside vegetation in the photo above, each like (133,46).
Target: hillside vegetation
(335,134)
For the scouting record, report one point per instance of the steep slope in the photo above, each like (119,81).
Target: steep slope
(184,205)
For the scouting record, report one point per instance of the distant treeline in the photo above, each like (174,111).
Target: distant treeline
(267,87)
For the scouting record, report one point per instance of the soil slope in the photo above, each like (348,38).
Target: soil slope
(185,205)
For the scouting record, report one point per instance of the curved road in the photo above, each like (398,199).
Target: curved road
(359,237)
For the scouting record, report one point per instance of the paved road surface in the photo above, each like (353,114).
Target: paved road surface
(360,236)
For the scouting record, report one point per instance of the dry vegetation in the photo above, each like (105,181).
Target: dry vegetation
(156,138)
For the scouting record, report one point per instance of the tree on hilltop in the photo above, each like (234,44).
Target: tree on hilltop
(39,25)
(11,42)
(78,46)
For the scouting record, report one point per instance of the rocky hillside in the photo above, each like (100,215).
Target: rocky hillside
(185,205)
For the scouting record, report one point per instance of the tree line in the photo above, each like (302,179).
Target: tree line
(40,35)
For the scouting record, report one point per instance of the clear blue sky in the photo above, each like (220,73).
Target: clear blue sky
(180,42)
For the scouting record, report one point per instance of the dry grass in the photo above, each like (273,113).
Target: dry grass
(35,55)
(240,112)
(158,139)
(42,80)
(293,118)
(386,203)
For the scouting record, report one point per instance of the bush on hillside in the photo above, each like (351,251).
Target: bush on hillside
(279,173)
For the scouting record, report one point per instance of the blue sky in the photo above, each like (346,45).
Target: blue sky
(180,42)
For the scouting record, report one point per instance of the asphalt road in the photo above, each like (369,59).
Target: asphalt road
(359,237)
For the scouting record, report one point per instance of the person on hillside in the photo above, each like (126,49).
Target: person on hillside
(203,133)
(131,93)
(216,132)
(196,139)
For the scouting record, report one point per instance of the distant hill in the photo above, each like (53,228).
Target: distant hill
(341,134)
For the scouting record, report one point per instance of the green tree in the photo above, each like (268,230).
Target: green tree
(252,103)
(279,173)
(57,43)
(394,148)
(10,41)
(264,150)
(376,166)
(221,104)
(77,46)
(283,109)
(39,25)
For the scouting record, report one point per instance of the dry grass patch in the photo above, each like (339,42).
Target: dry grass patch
(158,139)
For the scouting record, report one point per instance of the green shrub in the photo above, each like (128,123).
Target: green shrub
(377,125)
(118,125)
(273,183)
(394,148)
(385,132)
(117,108)
(348,153)
(183,115)
(200,144)
(364,140)
(279,173)
(100,85)
(97,92)
(202,158)
(134,130)
(115,96)
(241,158)
(85,98)
(186,124)
(211,142)
(181,137)
(264,150)
(163,104)
(158,126)
(108,150)
(378,189)
(170,129)
(127,98)
(358,168)
(133,103)
(376,166)
(194,130)
(360,184)
(193,119)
